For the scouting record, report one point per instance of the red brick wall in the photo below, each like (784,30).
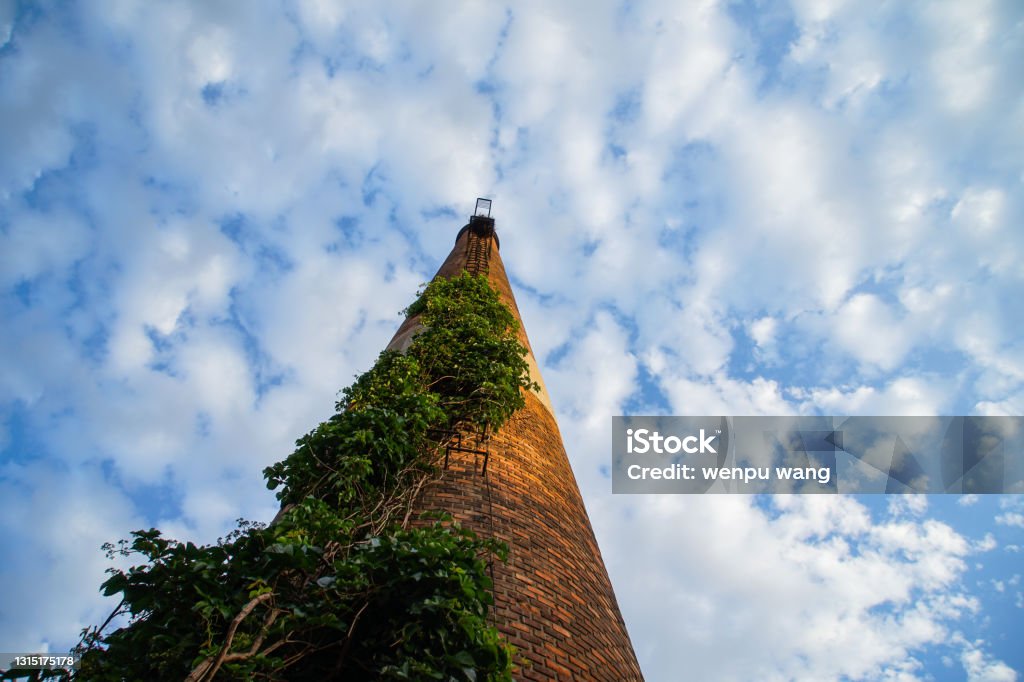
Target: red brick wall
(553,599)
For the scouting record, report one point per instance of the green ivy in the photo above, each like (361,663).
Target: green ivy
(341,585)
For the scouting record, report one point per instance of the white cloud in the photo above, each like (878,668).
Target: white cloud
(57,518)
(688,61)
(724,396)
(871,332)
(983,668)
(986,544)
(1011,519)
(911,505)
(763,331)
(910,396)
(848,597)
(591,383)
(38,244)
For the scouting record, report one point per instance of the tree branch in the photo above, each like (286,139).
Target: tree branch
(205,671)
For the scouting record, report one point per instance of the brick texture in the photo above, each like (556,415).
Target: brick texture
(553,599)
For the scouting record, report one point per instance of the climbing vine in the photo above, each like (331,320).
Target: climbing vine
(345,583)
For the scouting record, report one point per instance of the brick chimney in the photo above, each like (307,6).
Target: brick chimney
(553,599)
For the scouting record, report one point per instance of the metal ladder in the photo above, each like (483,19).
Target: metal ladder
(476,443)
(478,254)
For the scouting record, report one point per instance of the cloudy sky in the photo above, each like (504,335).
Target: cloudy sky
(211,215)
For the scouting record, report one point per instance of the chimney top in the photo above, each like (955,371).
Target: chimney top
(481,223)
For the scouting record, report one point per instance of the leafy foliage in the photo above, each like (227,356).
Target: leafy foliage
(470,350)
(341,584)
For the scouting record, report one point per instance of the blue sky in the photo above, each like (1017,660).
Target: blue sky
(210,218)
